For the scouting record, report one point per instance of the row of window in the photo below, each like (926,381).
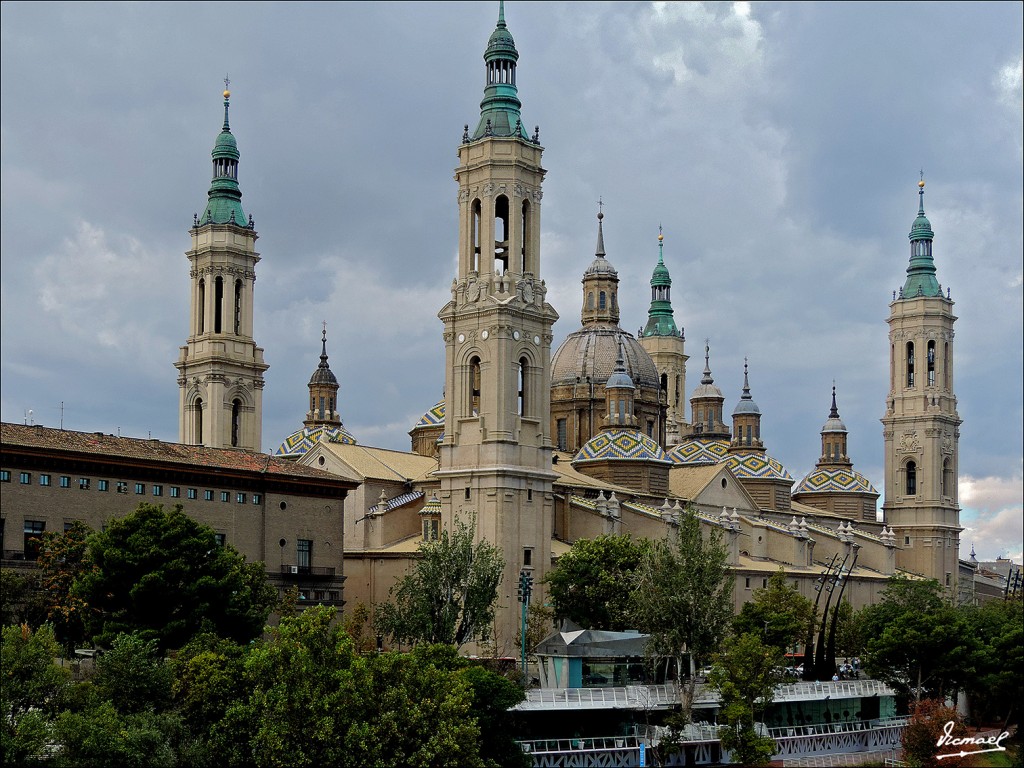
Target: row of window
(174,491)
(34,530)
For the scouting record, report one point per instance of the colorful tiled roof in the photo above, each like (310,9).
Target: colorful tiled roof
(621,444)
(700,451)
(757,465)
(835,481)
(298,443)
(433,417)
(399,501)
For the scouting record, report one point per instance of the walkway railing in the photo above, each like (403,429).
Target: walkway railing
(649,697)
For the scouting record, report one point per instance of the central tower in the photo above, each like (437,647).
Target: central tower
(495,456)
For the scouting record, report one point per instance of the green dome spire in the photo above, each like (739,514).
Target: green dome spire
(659,317)
(225,198)
(499,110)
(921,280)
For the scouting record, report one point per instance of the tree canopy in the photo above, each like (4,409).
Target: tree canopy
(682,597)
(591,585)
(920,645)
(161,573)
(448,595)
(746,674)
(778,614)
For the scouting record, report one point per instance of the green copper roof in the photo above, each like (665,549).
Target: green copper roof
(921,280)
(225,198)
(499,110)
(659,317)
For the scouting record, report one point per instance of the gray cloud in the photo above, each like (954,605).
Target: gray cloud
(777,144)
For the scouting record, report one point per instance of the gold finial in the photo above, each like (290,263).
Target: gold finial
(661,237)
(921,182)
(227,84)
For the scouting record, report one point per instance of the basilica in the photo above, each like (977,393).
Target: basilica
(541,447)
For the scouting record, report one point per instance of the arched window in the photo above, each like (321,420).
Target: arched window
(911,478)
(664,383)
(749,435)
(474,386)
(236,422)
(931,363)
(322,404)
(910,363)
(613,300)
(945,365)
(590,300)
(475,234)
(947,477)
(197,410)
(526,251)
(202,305)
(501,235)
(522,386)
(218,303)
(238,306)
(601,300)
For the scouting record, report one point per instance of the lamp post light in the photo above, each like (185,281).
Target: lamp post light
(524,591)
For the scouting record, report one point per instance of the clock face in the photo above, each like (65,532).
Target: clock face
(484,335)
(462,337)
(536,340)
(515,335)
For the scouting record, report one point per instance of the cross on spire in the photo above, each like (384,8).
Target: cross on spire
(227,82)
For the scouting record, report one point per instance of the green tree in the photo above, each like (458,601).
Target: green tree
(163,574)
(778,613)
(590,584)
(746,674)
(920,645)
(850,640)
(64,559)
(100,736)
(448,595)
(32,687)
(207,681)
(310,700)
(20,600)
(682,597)
(997,688)
(134,676)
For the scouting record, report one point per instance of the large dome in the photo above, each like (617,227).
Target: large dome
(592,351)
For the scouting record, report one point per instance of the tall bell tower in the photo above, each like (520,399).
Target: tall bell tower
(495,457)
(921,425)
(220,368)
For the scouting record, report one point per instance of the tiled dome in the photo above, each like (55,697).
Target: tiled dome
(298,443)
(622,444)
(759,466)
(834,481)
(699,451)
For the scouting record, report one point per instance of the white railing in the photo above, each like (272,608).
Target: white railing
(646,697)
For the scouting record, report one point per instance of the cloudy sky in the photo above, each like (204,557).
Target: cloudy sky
(779,145)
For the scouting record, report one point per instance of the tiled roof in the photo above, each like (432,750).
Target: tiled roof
(398,501)
(835,481)
(700,451)
(757,466)
(133,449)
(433,417)
(621,444)
(298,443)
